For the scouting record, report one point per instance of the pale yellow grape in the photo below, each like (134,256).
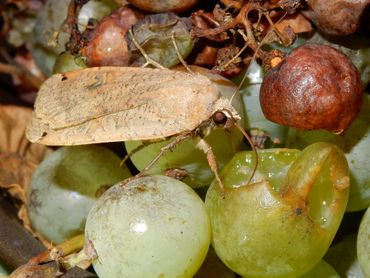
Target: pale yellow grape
(152,226)
(363,243)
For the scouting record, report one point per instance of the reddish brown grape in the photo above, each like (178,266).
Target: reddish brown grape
(336,17)
(314,87)
(160,6)
(107,44)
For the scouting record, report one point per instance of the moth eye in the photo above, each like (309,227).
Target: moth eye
(64,78)
(219,117)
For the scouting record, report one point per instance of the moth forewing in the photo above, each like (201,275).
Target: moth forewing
(108,104)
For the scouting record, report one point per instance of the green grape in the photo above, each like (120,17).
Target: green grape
(282,223)
(154,33)
(95,10)
(48,22)
(4,271)
(343,258)
(68,62)
(250,94)
(355,143)
(363,243)
(185,155)
(321,270)
(50,38)
(153,226)
(65,186)
(214,267)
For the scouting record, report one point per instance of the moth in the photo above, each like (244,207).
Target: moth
(108,104)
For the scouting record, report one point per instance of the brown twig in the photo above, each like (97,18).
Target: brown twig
(21,72)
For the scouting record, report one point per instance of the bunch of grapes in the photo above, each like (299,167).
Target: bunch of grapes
(297,78)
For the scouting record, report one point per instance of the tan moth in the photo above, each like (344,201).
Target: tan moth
(108,104)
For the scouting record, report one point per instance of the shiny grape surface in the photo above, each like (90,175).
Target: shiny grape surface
(214,267)
(67,62)
(355,143)
(65,186)
(297,209)
(363,243)
(321,270)
(343,258)
(152,226)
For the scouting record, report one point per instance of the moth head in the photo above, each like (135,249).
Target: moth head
(225,114)
(224,118)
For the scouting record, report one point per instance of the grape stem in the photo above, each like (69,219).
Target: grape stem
(58,252)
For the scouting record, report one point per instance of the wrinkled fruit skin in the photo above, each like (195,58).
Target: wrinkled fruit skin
(335,17)
(314,87)
(160,6)
(107,45)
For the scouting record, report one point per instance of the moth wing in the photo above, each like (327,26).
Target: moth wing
(110,104)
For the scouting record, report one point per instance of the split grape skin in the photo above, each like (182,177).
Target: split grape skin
(295,206)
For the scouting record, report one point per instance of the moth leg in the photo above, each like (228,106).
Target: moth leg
(138,148)
(165,149)
(149,61)
(211,158)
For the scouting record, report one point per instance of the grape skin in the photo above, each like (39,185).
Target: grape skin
(152,226)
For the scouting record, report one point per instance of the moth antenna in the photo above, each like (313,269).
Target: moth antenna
(148,59)
(253,149)
(212,162)
(173,39)
(245,37)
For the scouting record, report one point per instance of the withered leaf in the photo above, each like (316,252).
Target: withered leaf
(297,22)
(15,177)
(15,174)
(13,122)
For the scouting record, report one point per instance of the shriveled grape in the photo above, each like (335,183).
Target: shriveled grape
(315,87)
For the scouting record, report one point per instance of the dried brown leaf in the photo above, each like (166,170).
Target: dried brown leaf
(18,158)
(297,22)
(15,174)
(15,177)
(13,122)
